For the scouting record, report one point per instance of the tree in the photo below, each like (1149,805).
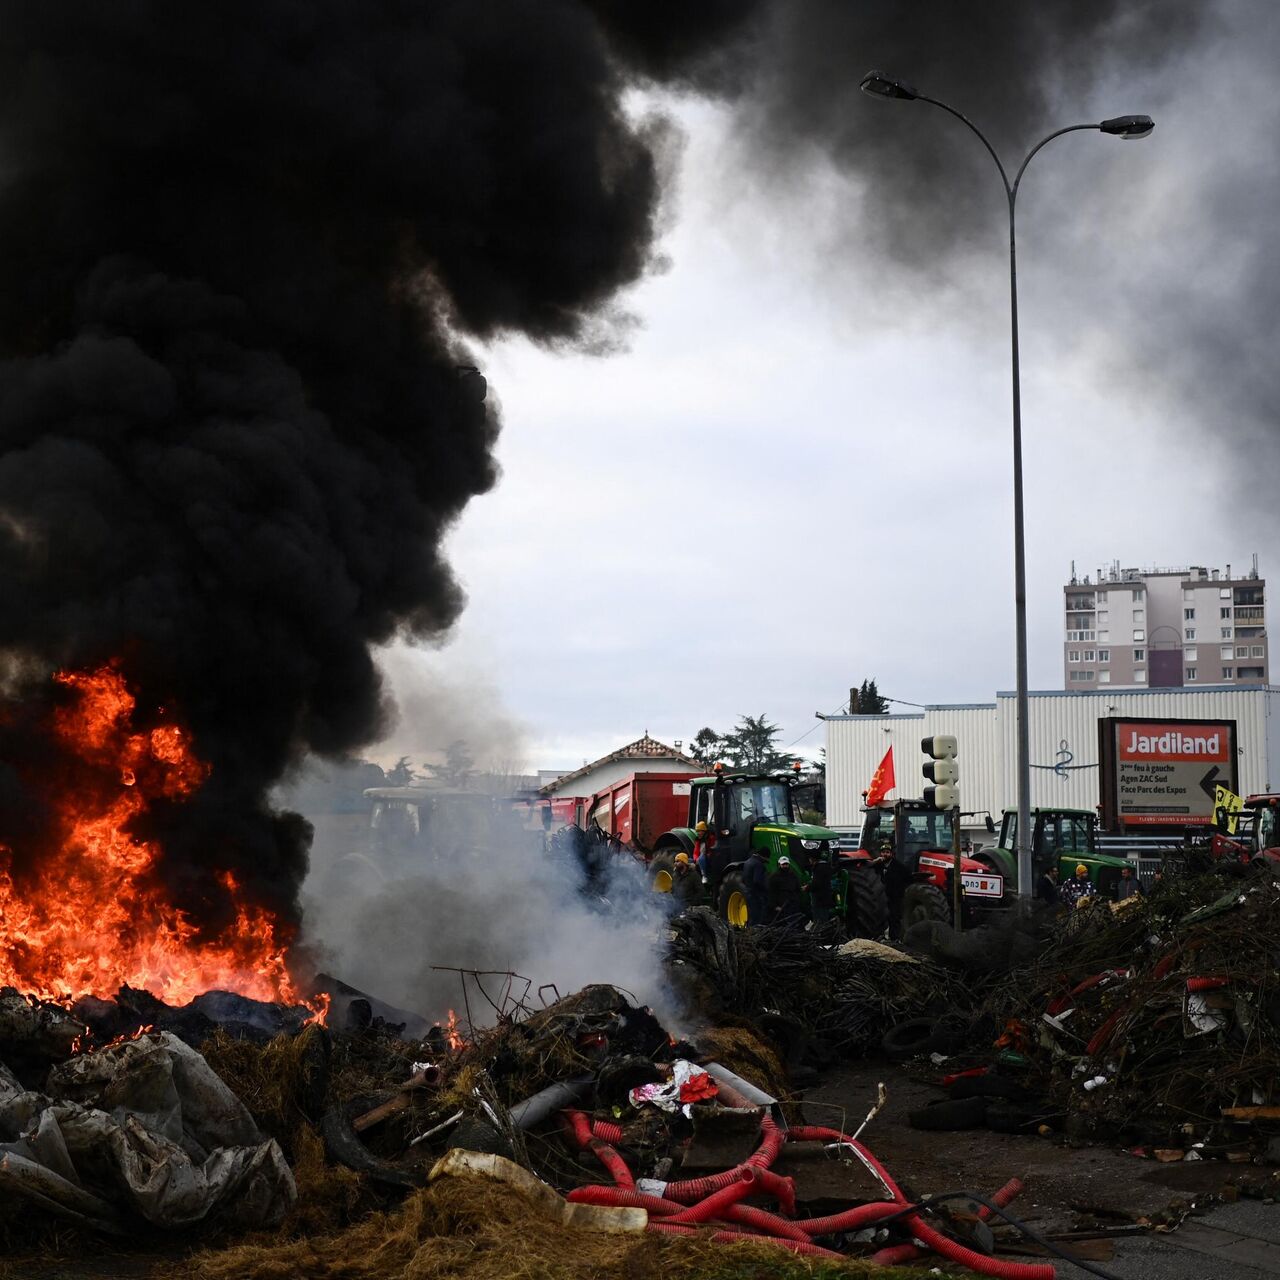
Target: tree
(707,746)
(458,766)
(402,774)
(752,746)
(867,700)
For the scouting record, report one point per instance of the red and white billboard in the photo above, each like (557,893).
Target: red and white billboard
(1163,773)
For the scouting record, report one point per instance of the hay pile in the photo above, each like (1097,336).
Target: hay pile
(472,1228)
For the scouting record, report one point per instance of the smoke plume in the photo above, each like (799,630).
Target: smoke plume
(238,245)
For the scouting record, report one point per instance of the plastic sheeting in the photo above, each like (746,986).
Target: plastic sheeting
(143,1129)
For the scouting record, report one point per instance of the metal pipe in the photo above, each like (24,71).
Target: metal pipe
(555,1097)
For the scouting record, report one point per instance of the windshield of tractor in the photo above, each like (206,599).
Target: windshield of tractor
(760,802)
(1062,833)
(928,830)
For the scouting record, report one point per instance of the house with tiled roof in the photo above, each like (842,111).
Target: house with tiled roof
(645,755)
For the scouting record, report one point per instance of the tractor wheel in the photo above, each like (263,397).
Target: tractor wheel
(867,908)
(924,903)
(662,871)
(732,904)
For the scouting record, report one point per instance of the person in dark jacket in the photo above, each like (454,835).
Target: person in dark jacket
(822,889)
(786,905)
(755,883)
(1129,886)
(1047,887)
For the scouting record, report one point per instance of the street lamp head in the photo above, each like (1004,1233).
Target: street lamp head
(879,85)
(1128,127)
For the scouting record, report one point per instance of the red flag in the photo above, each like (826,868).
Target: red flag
(883,782)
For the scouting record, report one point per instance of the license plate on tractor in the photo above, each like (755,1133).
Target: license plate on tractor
(980,886)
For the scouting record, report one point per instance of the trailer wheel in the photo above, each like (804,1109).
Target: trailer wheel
(662,872)
(924,903)
(732,904)
(867,909)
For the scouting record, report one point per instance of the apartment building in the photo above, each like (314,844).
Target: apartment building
(1164,628)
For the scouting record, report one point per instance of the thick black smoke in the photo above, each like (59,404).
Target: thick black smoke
(237,243)
(1017,70)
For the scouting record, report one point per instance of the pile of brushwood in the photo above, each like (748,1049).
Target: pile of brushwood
(813,996)
(1156,1020)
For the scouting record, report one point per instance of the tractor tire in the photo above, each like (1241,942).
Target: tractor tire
(867,909)
(731,906)
(662,871)
(924,903)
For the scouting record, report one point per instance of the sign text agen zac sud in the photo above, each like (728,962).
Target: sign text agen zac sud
(1162,773)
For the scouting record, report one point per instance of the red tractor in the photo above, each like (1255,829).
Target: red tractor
(1257,836)
(909,841)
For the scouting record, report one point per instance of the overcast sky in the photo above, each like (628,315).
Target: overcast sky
(797,474)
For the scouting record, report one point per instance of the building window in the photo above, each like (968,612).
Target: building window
(1224,613)
(1139,655)
(1224,593)
(1104,655)
(1139,677)
(1250,673)
(1226,633)
(1104,615)
(1228,673)
(1190,633)
(1139,634)
(1191,673)
(1247,633)
(1242,651)
(1227,652)
(1191,654)
(1104,677)
(1089,655)
(1189,615)
(1073,655)
(1079,676)
(1256,651)
(1104,635)
(1137,593)
(1139,615)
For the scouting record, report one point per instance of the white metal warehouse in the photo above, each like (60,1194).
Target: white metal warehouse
(1064,745)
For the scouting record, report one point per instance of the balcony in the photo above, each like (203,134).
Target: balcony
(1078,637)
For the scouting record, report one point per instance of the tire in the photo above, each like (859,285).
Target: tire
(951,1115)
(731,906)
(950,1033)
(1011,1117)
(867,907)
(662,871)
(924,902)
(908,1039)
(474,1134)
(343,1144)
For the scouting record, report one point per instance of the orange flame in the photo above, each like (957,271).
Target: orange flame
(94,918)
(453,1037)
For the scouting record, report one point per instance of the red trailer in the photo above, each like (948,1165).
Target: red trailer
(639,808)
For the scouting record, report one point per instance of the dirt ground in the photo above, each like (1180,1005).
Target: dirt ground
(1062,1180)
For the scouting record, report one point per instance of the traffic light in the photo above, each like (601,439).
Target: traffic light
(942,770)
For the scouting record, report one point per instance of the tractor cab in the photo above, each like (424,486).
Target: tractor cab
(1257,833)
(734,806)
(910,841)
(1065,838)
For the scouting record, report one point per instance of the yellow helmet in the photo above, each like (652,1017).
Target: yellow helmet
(1081,869)
(682,859)
(701,828)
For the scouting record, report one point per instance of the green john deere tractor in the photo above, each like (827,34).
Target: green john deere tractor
(1062,836)
(745,812)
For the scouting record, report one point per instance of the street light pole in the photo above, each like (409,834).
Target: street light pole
(879,85)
